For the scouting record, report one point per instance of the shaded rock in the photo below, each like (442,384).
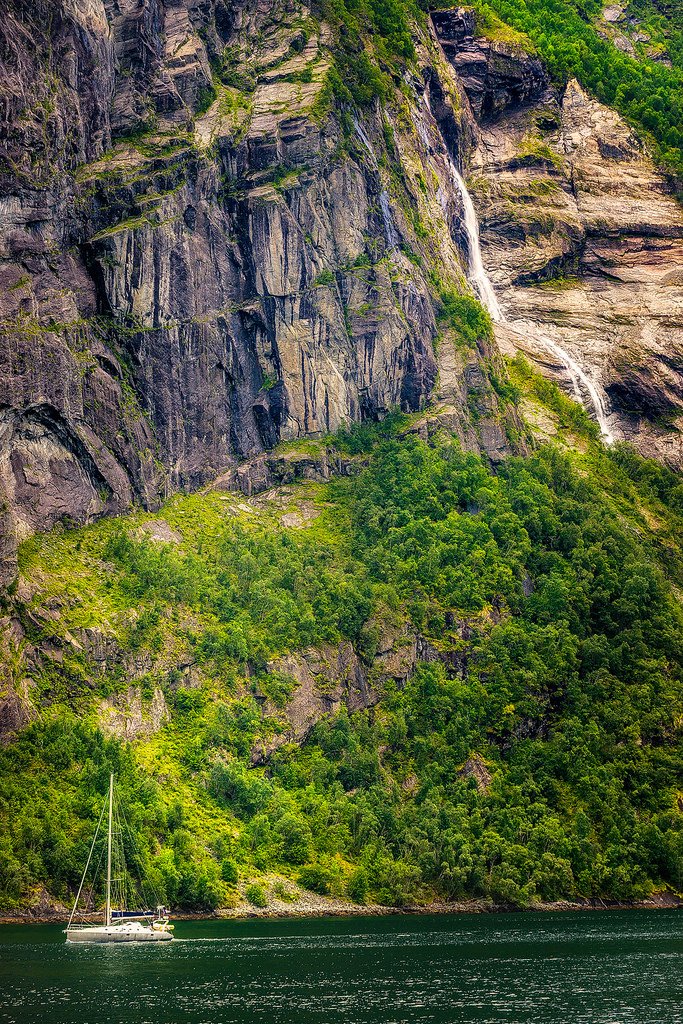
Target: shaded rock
(15,713)
(268,471)
(100,647)
(496,75)
(475,768)
(16,710)
(331,677)
(410,785)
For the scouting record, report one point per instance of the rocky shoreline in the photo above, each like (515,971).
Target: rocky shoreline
(319,906)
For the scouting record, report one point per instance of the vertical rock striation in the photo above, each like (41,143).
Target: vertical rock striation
(199,256)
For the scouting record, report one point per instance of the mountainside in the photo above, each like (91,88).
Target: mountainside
(348,602)
(417,681)
(206,260)
(206,251)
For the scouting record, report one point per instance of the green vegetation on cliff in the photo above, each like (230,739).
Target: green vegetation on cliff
(374,43)
(642,78)
(533,753)
(642,87)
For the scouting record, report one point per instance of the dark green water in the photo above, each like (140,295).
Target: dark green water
(603,968)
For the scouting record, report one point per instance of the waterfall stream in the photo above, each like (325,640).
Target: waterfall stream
(392,235)
(480,281)
(482,286)
(477,275)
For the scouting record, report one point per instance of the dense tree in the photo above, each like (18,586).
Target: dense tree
(559,679)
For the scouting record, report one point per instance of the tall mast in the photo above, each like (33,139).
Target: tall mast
(107,917)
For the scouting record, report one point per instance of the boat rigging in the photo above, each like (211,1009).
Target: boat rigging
(120,924)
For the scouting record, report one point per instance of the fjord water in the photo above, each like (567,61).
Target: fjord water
(587,968)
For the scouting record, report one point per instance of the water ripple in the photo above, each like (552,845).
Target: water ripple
(620,968)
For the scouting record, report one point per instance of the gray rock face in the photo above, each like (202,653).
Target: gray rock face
(492,73)
(327,678)
(332,677)
(128,717)
(14,714)
(57,86)
(198,259)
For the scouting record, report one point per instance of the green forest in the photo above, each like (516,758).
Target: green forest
(555,636)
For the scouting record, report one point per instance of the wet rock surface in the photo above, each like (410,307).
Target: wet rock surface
(595,260)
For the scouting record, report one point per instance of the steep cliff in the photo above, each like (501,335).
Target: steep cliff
(205,252)
(202,254)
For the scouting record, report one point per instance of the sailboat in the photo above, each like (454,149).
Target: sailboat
(120,925)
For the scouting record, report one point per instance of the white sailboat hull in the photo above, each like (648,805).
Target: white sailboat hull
(132,932)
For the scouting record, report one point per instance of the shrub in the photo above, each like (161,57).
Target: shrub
(357,886)
(283,892)
(466,316)
(229,871)
(316,878)
(256,895)
(294,837)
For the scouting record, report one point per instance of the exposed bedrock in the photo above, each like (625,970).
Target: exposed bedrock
(196,259)
(199,259)
(495,75)
(582,240)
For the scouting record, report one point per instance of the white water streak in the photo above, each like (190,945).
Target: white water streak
(481,284)
(477,275)
(392,235)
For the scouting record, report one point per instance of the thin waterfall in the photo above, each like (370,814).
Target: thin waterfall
(477,275)
(388,219)
(580,377)
(392,235)
(482,286)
